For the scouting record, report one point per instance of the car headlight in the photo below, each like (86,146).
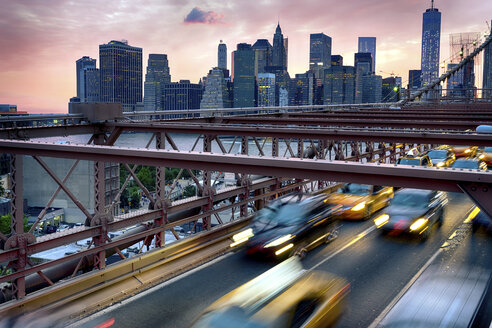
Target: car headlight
(359,207)
(381,220)
(467,151)
(440,164)
(418,224)
(242,237)
(481,156)
(279,241)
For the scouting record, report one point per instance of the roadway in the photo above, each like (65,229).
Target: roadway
(377,267)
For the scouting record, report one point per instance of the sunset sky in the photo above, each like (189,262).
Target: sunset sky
(40,40)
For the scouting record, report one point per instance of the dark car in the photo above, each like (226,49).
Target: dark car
(469,163)
(441,157)
(291,225)
(413,212)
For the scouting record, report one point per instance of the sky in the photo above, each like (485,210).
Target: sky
(40,40)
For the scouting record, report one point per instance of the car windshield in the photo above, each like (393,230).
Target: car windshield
(409,161)
(285,215)
(355,189)
(415,200)
(465,164)
(488,149)
(441,154)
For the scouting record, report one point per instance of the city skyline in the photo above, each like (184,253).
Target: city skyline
(37,71)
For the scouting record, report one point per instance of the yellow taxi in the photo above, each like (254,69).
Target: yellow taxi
(360,202)
(284,296)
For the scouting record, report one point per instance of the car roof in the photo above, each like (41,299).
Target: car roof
(414,191)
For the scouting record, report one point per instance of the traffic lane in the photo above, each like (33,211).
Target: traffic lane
(379,267)
(179,302)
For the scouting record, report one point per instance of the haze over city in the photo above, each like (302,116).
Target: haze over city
(40,43)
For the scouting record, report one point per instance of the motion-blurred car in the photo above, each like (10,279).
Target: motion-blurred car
(414,212)
(291,225)
(360,202)
(284,296)
(441,157)
(486,156)
(419,160)
(463,151)
(469,163)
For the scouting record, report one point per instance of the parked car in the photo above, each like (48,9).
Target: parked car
(413,212)
(284,296)
(360,201)
(469,163)
(291,225)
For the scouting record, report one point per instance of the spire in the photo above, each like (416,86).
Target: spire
(432,4)
(278,30)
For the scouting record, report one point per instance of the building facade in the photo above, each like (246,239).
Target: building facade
(263,55)
(266,90)
(371,88)
(222,55)
(487,70)
(363,67)
(182,95)
(414,79)
(120,73)
(319,53)
(339,85)
(431,40)
(279,53)
(216,92)
(336,60)
(302,89)
(82,66)
(244,76)
(156,77)
(368,44)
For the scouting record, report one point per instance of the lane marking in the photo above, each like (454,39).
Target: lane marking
(147,291)
(353,241)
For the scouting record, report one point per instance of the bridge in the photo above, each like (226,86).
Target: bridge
(268,152)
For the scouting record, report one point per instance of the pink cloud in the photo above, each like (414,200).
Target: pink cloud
(198,16)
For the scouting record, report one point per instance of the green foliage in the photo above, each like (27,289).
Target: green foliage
(5,224)
(189,191)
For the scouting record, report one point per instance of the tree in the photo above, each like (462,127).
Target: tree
(189,191)
(5,224)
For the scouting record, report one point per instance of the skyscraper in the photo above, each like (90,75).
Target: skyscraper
(121,73)
(279,56)
(319,53)
(302,89)
(156,77)
(371,88)
(244,76)
(431,39)
(82,65)
(368,44)
(263,55)
(339,85)
(216,93)
(182,95)
(487,71)
(266,90)
(336,60)
(414,79)
(363,67)
(92,85)
(222,55)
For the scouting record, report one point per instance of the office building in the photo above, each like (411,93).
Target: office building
(279,54)
(182,95)
(487,70)
(368,44)
(431,39)
(336,60)
(266,90)
(222,56)
(319,53)
(120,74)
(82,65)
(302,89)
(216,92)
(363,66)
(371,88)
(339,85)
(390,90)
(414,79)
(263,55)
(156,77)
(283,96)
(244,76)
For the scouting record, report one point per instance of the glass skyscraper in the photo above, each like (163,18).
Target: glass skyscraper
(156,77)
(431,41)
(82,65)
(263,55)
(339,82)
(222,55)
(244,76)
(266,90)
(368,44)
(319,53)
(121,73)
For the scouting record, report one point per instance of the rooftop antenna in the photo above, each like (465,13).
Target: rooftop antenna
(432,5)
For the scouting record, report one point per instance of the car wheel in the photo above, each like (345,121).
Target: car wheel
(301,253)
(425,235)
(331,236)
(440,220)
